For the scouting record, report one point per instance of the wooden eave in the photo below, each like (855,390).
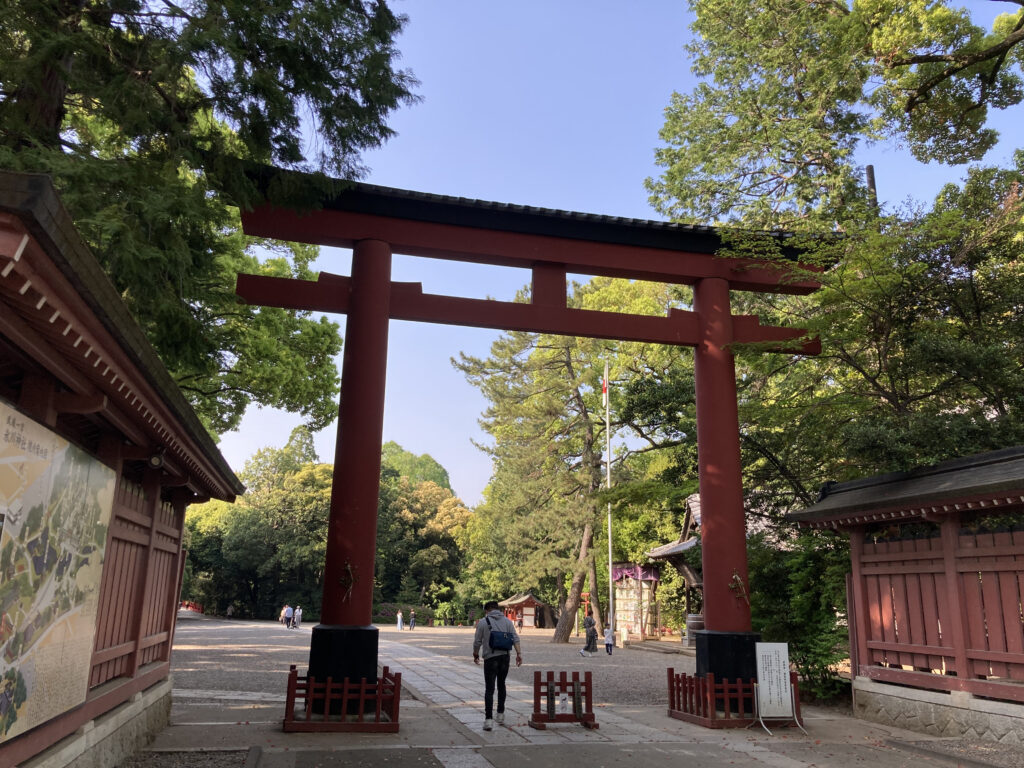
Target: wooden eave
(994,502)
(989,481)
(521,600)
(62,313)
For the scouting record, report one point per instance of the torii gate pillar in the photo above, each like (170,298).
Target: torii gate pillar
(376,221)
(344,644)
(727,647)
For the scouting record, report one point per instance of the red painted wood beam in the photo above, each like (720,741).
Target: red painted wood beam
(514,249)
(723,523)
(355,486)
(331,293)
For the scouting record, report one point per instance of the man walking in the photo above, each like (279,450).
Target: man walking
(494,639)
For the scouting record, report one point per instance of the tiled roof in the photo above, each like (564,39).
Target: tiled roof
(994,479)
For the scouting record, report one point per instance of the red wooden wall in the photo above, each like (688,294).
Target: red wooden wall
(139,592)
(944,610)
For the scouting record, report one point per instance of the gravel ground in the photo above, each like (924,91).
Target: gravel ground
(186,760)
(969,752)
(626,677)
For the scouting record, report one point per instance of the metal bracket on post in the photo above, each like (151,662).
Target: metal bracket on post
(792,708)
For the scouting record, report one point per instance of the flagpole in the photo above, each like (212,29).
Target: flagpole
(608,478)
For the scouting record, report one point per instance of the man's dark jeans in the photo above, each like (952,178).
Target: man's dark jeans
(495,668)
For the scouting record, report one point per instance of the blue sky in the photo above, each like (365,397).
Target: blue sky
(551,104)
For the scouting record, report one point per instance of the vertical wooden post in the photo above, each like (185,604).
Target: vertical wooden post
(950,530)
(344,645)
(151,493)
(352,529)
(859,624)
(723,526)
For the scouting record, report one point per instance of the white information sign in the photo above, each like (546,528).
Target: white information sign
(774,698)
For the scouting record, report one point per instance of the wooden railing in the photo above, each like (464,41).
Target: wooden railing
(711,703)
(349,705)
(547,699)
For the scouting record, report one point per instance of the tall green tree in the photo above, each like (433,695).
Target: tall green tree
(148,114)
(269,547)
(420,534)
(919,310)
(417,468)
(790,89)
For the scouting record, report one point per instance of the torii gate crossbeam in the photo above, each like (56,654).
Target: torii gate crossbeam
(376,222)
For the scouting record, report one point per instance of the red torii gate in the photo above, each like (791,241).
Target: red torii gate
(378,221)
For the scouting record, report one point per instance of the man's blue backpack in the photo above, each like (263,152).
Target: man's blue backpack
(500,640)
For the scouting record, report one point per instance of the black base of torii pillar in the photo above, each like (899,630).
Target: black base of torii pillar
(344,644)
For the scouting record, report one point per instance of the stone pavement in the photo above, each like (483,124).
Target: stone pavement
(442,723)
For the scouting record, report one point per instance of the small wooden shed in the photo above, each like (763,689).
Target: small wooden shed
(100,454)
(525,606)
(935,592)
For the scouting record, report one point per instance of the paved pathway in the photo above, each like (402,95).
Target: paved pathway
(228,695)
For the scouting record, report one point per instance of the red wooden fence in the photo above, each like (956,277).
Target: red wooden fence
(941,611)
(141,578)
(547,693)
(712,703)
(326,705)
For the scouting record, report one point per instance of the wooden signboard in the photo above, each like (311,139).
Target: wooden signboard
(774,697)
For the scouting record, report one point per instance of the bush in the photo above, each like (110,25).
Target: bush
(798,596)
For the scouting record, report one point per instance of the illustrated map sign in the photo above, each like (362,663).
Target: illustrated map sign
(55,506)
(774,698)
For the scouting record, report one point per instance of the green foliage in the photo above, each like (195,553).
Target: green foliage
(148,115)
(417,468)
(789,90)
(420,530)
(269,547)
(797,596)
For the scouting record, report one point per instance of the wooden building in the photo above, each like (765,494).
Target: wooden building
(935,593)
(674,554)
(525,606)
(637,612)
(100,454)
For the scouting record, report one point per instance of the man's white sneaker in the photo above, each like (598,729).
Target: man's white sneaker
(581,652)
(500,718)
(488,724)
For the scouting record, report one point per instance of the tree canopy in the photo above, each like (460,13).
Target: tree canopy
(789,90)
(147,113)
(269,547)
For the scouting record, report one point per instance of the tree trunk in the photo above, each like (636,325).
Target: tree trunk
(38,106)
(572,601)
(595,597)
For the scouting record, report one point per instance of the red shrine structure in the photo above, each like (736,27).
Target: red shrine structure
(376,222)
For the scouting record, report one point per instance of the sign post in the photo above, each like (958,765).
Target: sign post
(774,697)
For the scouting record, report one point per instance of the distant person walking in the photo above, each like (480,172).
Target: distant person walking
(496,658)
(297,616)
(609,639)
(398,617)
(591,628)
(412,620)
(289,614)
